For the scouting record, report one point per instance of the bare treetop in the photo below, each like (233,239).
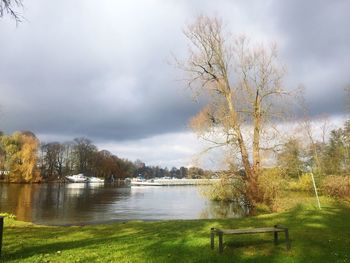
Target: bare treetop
(9,6)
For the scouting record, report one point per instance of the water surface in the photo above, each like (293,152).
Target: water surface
(76,203)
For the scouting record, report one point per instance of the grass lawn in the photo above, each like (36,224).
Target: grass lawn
(317,236)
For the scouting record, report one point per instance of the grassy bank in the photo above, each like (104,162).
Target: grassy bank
(317,236)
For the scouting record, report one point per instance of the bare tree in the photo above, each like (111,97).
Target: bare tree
(84,150)
(9,7)
(243,82)
(307,128)
(53,158)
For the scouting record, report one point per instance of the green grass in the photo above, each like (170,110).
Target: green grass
(317,236)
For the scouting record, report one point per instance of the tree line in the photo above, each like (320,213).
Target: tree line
(322,157)
(23,158)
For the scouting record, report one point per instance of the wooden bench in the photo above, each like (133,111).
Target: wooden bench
(222,232)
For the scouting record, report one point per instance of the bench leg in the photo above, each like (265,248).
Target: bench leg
(287,239)
(212,236)
(221,246)
(275,235)
(1,232)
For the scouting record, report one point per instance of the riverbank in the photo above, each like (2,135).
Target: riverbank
(317,236)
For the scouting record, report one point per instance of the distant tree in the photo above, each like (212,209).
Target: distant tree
(61,149)
(174,172)
(156,171)
(53,159)
(183,172)
(28,154)
(165,172)
(2,158)
(195,172)
(346,139)
(141,169)
(336,155)
(21,157)
(125,168)
(139,164)
(69,158)
(290,158)
(84,152)
(315,157)
(104,164)
(9,7)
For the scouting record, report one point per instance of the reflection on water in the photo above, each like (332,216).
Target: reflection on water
(224,210)
(84,203)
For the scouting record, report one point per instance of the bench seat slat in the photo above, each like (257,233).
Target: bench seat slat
(250,231)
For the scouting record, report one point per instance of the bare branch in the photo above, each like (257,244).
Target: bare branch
(8,7)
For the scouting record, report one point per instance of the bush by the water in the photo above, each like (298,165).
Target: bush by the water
(337,186)
(229,188)
(232,187)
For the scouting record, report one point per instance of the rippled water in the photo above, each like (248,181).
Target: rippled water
(87,203)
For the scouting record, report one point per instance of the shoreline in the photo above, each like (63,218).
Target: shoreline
(57,182)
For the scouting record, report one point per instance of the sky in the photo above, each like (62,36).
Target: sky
(101,69)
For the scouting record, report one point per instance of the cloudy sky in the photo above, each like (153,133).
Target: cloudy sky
(100,69)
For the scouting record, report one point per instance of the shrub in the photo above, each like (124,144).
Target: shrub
(229,188)
(271,184)
(7,215)
(336,186)
(304,183)
(261,208)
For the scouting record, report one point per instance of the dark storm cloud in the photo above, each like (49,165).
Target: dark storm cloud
(87,74)
(82,69)
(316,49)
(315,29)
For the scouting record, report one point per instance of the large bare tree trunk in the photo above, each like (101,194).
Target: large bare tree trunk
(238,132)
(253,180)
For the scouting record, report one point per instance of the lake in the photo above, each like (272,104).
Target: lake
(74,203)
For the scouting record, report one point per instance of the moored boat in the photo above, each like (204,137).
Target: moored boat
(95,180)
(77,178)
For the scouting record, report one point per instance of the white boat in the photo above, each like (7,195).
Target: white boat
(168,182)
(95,180)
(77,178)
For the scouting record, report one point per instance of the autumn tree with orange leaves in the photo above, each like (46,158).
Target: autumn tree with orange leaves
(20,157)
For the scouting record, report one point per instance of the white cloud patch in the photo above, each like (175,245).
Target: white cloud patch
(166,150)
